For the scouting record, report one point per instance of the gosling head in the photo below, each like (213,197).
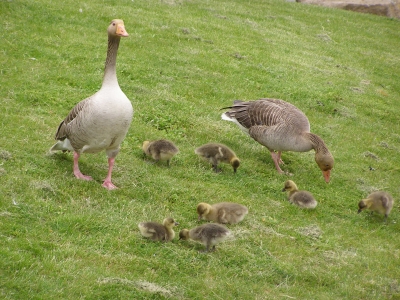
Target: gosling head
(169,222)
(362,205)
(145,146)
(203,209)
(184,234)
(235,162)
(289,186)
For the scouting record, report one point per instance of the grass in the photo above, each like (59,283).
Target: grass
(61,238)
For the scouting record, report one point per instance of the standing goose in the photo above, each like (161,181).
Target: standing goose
(101,121)
(215,153)
(279,126)
(302,199)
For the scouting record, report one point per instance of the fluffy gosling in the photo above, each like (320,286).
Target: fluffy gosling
(162,150)
(302,199)
(158,232)
(224,212)
(209,235)
(380,202)
(216,153)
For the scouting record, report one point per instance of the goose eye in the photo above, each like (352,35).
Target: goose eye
(113,23)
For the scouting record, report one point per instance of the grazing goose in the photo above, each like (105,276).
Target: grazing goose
(208,234)
(302,199)
(380,202)
(158,232)
(216,153)
(279,126)
(101,121)
(224,212)
(160,150)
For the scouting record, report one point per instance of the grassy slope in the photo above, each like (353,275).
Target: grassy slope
(183,61)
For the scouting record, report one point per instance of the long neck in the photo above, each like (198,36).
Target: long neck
(317,143)
(110,72)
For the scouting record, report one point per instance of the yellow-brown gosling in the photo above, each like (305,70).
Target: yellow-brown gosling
(216,153)
(302,199)
(158,232)
(209,235)
(162,150)
(224,212)
(380,202)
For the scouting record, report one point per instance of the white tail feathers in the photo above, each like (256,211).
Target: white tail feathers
(64,145)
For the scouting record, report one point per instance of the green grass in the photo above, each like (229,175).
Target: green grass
(61,238)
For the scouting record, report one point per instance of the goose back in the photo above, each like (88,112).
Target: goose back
(274,123)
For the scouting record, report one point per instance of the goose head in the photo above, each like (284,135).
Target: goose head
(117,28)
(325,162)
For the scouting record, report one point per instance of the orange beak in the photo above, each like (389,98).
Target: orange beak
(327,175)
(121,30)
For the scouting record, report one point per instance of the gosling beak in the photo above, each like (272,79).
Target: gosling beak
(284,190)
(360,210)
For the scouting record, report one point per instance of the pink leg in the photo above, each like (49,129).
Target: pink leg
(77,172)
(280,161)
(107,182)
(276,157)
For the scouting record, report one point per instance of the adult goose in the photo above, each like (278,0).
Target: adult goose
(101,121)
(279,126)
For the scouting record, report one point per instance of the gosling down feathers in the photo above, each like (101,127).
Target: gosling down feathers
(224,212)
(380,202)
(209,234)
(160,150)
(101,121)
(280,126)
(216,153)
(302,199)
(159,232)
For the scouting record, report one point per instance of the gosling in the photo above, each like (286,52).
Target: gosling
(209,235)
(158,232)
(224,212)
(216,153)
(162,150)
(380,202)
(302,199)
